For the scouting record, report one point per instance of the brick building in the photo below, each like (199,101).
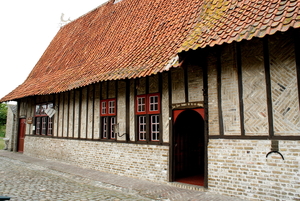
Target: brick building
(193,93)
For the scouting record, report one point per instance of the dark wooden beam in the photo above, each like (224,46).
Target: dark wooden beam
(100,119)
(68,116)
(57,112)
(116,97)
(73,124)
(268,85)
(240,86)
(203,57)
(160,80)
(93,109)
(79,113)
(127,109)
(135,117)
(297,57)
(87,111)
(62,99)
(171,154)
(219,91)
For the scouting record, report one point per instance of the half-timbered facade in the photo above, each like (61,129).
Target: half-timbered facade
(205,99)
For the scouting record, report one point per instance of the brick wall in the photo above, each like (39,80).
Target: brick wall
(195,83)
(240,168)
(178,94)
(213,112)
(148,162)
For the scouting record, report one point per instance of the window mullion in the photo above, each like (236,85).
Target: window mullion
(104,127)
(112,122)
(148,129)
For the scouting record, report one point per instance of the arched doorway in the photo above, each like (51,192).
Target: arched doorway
(189,147)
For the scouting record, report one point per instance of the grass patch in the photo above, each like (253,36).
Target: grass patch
(2,144)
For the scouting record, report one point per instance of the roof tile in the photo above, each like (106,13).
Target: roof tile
(137,38)
(255,18)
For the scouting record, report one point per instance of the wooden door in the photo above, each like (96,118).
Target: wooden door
(21,134)
(188,144)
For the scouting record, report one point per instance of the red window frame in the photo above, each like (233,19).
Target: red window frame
(106,111)
(148,109)
(156,103)
(148,103)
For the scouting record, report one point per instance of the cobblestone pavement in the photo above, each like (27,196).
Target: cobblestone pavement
(27,178)
(22,181)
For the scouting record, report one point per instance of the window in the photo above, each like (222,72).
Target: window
(148,118)
(155,127)
(43,123)
(108,112)
(142,128)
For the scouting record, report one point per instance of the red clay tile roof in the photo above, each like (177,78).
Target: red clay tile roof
(136,38)
(225,21)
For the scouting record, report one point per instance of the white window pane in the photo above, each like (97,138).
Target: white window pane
(111,107)
(112,123)
(155,127)
(103,108)
(153,105)
(141,104)
(104,127)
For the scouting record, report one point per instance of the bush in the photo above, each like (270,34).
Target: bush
(3,115)
(2,130)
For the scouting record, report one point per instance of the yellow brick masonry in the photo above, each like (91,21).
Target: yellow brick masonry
(148,162)
(240,167)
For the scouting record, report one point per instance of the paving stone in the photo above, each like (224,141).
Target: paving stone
(27,178)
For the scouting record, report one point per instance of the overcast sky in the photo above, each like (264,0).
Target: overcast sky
(27,28)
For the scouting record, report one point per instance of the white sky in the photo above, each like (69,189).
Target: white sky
(27,28)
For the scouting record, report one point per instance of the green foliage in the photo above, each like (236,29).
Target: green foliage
(2,144)
(3,113)
(2,130)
